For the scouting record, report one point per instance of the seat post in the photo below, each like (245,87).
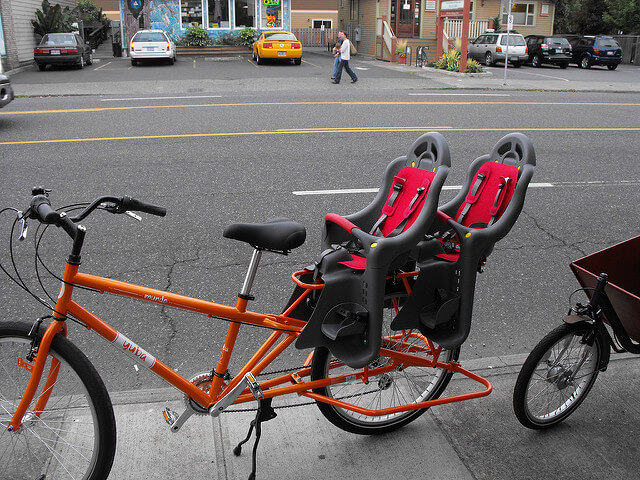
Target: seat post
(245,293)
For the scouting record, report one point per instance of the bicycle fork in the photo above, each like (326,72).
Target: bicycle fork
(58,326)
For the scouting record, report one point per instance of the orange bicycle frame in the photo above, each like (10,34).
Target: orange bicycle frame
(282,324)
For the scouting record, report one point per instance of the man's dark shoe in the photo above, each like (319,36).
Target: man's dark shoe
(333,81)
(354,81)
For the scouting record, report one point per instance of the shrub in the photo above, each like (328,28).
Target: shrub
(473,67)
(51,19)
(247,36)
(197,36)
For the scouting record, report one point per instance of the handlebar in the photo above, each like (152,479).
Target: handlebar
(40,209)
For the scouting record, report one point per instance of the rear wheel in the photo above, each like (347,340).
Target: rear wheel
(81,63)
(557,375)
(75,436)
(134,62)
(259,59)
(536,61)
(297,61)
(564,65)
(400,386)
(488,59)
(612,67)
(42,67)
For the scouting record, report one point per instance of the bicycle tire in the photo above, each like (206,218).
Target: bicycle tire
(398,387)
(547,390)
(75,435)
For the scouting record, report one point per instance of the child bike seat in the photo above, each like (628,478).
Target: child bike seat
(461,239)
(361,248)
(279,235)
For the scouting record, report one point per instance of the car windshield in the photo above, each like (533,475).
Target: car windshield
(58,39)
(558,42)
(514,40)
(608,42)
(280,36)
(149,37)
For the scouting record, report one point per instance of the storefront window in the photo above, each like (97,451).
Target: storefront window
(271,14)
(245,11)
(218,11)
(190,13)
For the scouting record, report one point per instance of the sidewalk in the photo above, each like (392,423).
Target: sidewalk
(477,439)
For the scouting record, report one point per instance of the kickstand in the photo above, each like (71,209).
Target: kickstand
(265,413)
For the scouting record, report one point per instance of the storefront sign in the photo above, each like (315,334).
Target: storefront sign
(3,51)
(135,7)
(452,5)
(430,5)
(271,2)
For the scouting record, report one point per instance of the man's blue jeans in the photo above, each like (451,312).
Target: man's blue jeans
(345,64)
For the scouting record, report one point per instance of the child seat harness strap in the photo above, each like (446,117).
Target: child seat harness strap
(500,196)
(413,205)
(473,195)
(389,207)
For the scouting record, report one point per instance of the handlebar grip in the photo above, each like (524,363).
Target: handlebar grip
(599,290)
(41,206)
(129,203)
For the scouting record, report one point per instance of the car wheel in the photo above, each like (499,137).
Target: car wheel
(536,62)
(259,59)
(170,60)
(585,62)
(297,61)
(81,62)
(255,56)
(564,65)
(90,61)
(517,64)
(134,62)
(612,67)
(42,67)
(488,59)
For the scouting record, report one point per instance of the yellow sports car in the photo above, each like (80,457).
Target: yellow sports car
(277,45)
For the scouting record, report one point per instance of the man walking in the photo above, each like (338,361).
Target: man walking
(345,56)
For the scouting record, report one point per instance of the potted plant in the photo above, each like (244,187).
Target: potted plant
(401,46)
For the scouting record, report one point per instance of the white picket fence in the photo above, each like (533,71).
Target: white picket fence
(316,37)
(453,28)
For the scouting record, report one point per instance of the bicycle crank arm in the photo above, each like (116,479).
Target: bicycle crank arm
(248,381)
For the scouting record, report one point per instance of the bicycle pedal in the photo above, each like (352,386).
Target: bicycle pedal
(170,416)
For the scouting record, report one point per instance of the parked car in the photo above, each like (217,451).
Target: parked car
(62,49)
(152,45)
(545,49)
(588,51)
(277,45)
(6,91)
(492,47)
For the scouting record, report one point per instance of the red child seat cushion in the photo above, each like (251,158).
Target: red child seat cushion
(405,200)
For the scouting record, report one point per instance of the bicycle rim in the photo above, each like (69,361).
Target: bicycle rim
(400,386)
(562,376)
(63,442)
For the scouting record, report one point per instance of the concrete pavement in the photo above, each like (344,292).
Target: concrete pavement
(476,439)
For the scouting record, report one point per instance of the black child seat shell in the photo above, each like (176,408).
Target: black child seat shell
(462,238)
(361,248)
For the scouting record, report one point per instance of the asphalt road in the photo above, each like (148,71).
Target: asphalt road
(251,156)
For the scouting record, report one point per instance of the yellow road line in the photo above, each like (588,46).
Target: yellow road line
(313,64)
(271,104)
(252,62)
(327,130)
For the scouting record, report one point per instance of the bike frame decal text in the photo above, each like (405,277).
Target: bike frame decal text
(134,350)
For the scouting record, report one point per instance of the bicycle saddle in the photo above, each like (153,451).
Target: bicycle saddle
(279,235)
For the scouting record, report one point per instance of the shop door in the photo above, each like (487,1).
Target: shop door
(408,18)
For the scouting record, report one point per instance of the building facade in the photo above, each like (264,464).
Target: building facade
(217,17)
(416,20)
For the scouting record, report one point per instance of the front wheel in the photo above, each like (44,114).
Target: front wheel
(557,375)
(399,386)
(74,437)
(536,61)
(585,62)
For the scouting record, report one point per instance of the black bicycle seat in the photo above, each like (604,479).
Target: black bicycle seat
(279,235)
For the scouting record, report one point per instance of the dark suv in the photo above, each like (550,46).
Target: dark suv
(588,51)
(553,50)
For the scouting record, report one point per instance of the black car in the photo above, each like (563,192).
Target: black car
(62,49)
(588,51)
(6,92)
(545,49)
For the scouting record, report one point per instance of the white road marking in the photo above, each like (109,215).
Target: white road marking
(459,94)
(596,183)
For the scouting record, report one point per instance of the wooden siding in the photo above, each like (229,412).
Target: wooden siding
(314,5)
(367,14)
(303,19)
(22,11)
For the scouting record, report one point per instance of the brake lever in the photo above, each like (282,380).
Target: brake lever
(133,215)
(22,218)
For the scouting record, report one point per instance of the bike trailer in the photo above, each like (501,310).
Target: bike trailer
(621,263)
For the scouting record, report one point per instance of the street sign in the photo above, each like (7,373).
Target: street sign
(510,22)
